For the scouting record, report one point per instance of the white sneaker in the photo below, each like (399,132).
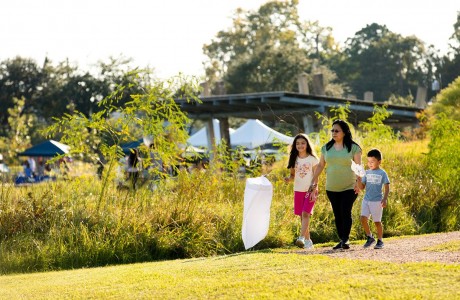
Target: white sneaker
(308,244)
(300,242)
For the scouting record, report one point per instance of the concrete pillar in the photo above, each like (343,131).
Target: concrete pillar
(211,136)
(368,96)
(224,131)
(420,100)
(302,81)
(205,90)
(318,85)
(308,126)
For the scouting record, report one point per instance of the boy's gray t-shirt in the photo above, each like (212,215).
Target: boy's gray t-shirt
(374,180)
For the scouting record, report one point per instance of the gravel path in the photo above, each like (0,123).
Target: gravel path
(407,249)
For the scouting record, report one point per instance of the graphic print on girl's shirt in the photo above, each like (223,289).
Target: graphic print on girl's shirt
(304,173)
(302,168)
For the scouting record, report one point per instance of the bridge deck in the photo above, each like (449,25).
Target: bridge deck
(287,105)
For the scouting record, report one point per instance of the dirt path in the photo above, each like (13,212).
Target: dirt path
(408,249)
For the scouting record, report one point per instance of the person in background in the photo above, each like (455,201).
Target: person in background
(341,187)
(32,165)
(27,170)
(133,168)
(4,170)
(374,200)
(302,163)
(41,168)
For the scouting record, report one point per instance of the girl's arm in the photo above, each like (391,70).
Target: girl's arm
(291,176)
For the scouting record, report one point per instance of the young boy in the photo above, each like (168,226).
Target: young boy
(374,200)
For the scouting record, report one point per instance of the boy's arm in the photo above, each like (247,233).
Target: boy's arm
(386,191)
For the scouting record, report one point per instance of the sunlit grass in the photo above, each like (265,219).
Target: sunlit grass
(445,247)
(245,275)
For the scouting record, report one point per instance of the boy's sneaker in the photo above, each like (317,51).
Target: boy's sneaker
(346,245)
(308,244)
(300,242)
(379,245)
(369,242)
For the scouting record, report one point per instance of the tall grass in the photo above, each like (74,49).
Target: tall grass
(65,225)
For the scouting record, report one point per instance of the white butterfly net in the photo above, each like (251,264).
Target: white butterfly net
(256,216)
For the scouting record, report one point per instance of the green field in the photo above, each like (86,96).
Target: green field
(249,275)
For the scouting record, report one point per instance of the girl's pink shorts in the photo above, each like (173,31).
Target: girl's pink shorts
(302,203)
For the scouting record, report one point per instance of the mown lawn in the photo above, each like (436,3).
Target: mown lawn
(248,275)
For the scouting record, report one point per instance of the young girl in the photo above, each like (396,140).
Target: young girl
(302,163)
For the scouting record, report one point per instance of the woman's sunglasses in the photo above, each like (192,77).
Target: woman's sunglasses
(335,130)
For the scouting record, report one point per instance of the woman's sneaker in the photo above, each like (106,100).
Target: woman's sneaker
(369,242)
(308,244)
(300,242)
(379,244)
(338,246)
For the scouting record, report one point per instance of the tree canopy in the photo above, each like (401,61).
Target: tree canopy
(383,62)
(266,50)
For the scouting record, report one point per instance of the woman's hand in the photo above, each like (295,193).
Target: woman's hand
(356,188)
(312,187)
(314,195)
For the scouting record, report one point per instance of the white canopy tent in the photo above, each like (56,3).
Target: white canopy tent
(254,133)
(199,138)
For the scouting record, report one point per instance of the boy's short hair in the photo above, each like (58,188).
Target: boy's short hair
(375,153)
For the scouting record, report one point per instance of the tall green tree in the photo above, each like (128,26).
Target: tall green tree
(21,127)
(19,78)
(265,50)
(448,101)
(383,62)
(51,90)
(449,69)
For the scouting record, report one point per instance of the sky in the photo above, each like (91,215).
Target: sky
(168,35)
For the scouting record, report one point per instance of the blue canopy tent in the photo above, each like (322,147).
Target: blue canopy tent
(48,148)
(131,145)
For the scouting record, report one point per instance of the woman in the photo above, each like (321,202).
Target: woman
(341,187)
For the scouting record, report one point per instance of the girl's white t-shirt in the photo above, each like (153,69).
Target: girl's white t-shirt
(304,172)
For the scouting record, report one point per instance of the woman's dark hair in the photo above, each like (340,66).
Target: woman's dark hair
(347,139)
(294,152)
